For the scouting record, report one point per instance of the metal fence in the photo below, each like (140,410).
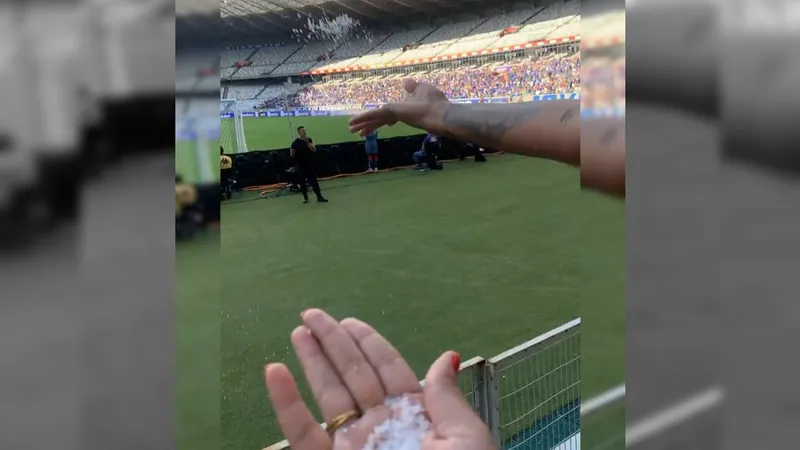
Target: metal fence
(529,395)
(534,392)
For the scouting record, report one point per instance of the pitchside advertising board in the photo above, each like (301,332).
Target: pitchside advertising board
(334,110)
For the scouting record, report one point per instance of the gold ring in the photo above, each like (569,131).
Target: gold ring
(337,422)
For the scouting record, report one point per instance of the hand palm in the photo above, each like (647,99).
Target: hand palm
(350,367)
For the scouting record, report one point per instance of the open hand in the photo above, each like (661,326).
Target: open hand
(424,107)
(350,367)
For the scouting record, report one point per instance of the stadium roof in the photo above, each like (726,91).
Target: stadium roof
(358,8)
(365,8)
(244,20)
(184,8)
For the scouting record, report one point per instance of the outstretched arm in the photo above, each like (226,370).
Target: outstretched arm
(547,129)
(550,130)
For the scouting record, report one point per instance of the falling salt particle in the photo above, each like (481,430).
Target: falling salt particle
(404,430)
(335,29)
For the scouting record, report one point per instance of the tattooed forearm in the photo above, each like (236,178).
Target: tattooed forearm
(490,123)
(608,136)
(568,116)
(487,123)
(544,129)
(611,135)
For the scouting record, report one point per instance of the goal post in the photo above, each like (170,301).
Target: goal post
(195,156)
(232,137)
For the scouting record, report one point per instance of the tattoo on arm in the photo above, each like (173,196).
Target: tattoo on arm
(568,116)
(610,135)
(488,123)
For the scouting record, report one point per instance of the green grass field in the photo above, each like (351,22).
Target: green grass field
(273,133)
(187,161)
(476,258)
(198,343)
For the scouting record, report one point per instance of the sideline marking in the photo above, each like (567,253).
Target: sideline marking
(674,415)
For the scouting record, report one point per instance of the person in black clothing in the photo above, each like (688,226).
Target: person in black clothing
(303,151)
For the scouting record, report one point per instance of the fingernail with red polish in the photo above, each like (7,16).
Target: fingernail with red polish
(456,361)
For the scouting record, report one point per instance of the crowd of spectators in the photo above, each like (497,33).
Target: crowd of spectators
(518,79)
(603,85)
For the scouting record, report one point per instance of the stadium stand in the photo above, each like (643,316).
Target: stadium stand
(516,52)
(554,75)
(196,71)
(369,68)
(256,71)
(473,34)
(347,79)
(512,53)
(231,57)
(244,93)
(274,56)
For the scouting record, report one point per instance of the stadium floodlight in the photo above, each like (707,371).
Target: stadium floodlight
(232,136)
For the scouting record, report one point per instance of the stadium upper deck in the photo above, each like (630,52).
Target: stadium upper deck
(453,32)
(419,42)
(460,35)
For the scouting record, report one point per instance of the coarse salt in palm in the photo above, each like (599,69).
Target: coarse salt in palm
(403,430)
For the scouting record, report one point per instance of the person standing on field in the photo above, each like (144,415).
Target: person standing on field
(371,145)
(303,152)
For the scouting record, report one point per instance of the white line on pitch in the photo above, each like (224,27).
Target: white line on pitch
(673,416)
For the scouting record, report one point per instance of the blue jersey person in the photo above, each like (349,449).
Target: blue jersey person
(371,145)
(421,156)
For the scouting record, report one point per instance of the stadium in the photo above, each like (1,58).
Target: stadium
(492,258)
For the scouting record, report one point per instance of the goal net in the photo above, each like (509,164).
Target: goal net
(232,136)
(197,132)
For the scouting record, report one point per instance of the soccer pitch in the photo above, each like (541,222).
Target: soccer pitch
(477,258)
(273,133)
(198,342)
(187,162)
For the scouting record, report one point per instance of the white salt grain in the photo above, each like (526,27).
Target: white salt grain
(337,29)
(404,430)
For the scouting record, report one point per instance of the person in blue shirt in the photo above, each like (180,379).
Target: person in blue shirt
(421,155)
(372,151)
